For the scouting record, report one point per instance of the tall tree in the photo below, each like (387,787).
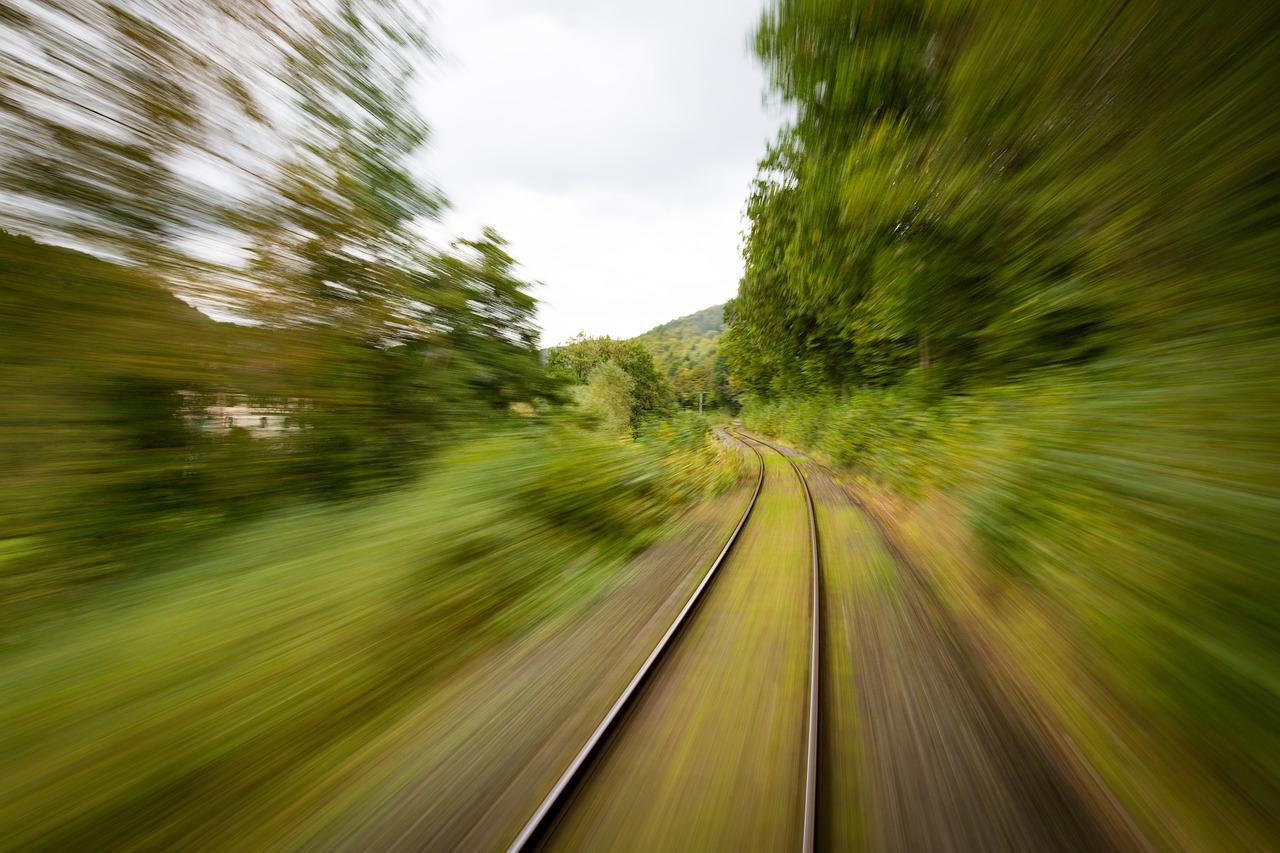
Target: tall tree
(961,189)
(106,109)
(575,361)
(335,241)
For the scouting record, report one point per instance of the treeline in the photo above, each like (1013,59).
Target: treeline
(672,367)
(615,382)
(171,163)
(974,192)
(1015,263)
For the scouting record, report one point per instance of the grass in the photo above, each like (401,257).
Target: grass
(1123,541)
(199,699)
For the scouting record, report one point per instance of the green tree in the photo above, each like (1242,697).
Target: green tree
(607,397)
(371,345)
(687,351)
(426,339)
(104,102)
(937,204)
(575,361)
(335,239)
(1019,209)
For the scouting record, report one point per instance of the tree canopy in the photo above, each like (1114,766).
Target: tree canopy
(575,361)
(362,343)
(968,195)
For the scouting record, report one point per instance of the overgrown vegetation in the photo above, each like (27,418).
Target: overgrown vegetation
(254,667)
(350,349)
(687,351)
(618,383)
(297,517)
(1027,260)
(1015,261)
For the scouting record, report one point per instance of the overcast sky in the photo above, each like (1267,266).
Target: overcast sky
(612,143)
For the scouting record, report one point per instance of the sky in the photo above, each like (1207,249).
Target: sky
(611,143)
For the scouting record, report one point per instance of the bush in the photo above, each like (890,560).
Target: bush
(1137,497)
(199,690)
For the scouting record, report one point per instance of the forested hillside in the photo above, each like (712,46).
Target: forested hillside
(1023,275)
(687,352)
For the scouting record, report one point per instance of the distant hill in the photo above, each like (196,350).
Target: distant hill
(686,351)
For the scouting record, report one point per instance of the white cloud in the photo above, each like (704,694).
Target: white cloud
(612,143)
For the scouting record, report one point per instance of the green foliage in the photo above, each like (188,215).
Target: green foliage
(356,349)
(981,196)
(695,463)
(575,362)
(1025,256)
(334,238)
(1120,492)
(256,667)
(95,436)
(102,101)
(686,351)
(607,397)
(111,385)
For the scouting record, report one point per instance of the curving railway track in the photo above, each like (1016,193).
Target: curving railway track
(815,660)
(686,658)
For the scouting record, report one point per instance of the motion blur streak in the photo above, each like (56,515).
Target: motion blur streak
(1016,264)
(304,543)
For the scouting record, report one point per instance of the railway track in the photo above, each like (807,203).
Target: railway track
(559,798)
(815,645)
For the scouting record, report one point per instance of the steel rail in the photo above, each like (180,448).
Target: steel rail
(808,840)
(550,805)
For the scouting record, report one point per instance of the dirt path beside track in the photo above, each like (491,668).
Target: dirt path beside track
(924,750)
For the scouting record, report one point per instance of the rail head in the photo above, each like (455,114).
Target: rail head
(811,765)
(540,820)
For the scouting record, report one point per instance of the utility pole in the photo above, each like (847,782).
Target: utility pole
(700,393)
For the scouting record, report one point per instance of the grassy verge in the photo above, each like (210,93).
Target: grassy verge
(257,661)
(1114,527)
